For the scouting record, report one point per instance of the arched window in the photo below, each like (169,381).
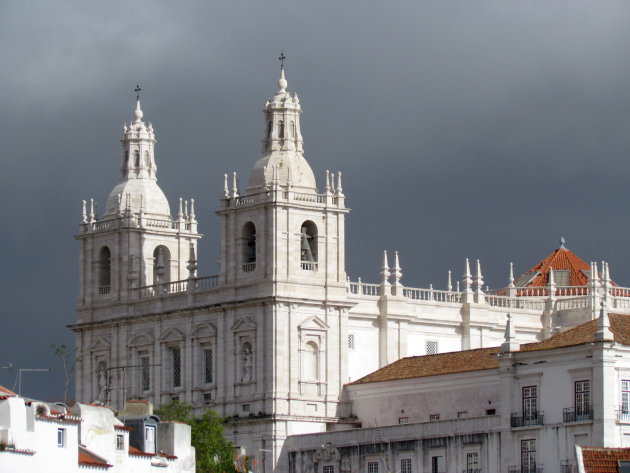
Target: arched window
(161,265)
(269,129)
(104,270)
(126,159)
(280,129)
(247,363)
(249,247)
(147,160)
(308,245)
(310,361)
(136,158)
(292,129)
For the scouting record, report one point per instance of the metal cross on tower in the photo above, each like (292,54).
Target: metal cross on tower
(282,58)
(137,91)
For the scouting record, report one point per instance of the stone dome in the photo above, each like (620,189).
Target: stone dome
(145,194)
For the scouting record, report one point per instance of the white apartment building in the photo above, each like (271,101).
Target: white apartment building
(37,436)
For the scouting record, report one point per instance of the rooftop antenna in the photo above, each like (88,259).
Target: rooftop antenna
(28,370)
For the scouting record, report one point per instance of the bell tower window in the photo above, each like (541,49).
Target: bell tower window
(104,271)
(249,247)
(292,129)
(269,129)
(161,265)
(136,159)
(308,246)
(280,129)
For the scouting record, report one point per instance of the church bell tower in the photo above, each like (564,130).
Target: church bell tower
(136,244)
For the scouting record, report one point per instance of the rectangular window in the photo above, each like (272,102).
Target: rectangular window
(625,398)
(120,442)
(491,412)
(176,358)
(431,348)
(328,469)
(207,357)
(434,417)
(145,373)
(528,456)
(582,400)
(61,438)
(372,467)
(405,465)
(403,420)
(350,342)
(437,464)
(462,414)
(472,462)
(149,439)
(530,400)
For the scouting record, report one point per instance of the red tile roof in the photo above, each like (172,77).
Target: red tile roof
(87,458)
(6,392)
(603,460)
(560,259)
(484,358)
(434,365)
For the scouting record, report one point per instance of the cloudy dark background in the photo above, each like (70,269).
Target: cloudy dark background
(482,129)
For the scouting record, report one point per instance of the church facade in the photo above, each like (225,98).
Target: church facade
(272,339)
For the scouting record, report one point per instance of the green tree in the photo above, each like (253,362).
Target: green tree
(214,453)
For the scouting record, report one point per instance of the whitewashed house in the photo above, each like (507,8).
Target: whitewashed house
(272,338)
(37,436)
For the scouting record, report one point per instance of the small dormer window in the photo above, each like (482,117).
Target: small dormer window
(149,439)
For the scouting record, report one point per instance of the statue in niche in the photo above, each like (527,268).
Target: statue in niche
(326,453)
(101,376)
(246,362)
(345,465)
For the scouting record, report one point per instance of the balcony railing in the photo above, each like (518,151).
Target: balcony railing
(104,289)
(623,414)
(571,414)
(529,418)
(249,267)
(525,469)
(309,265)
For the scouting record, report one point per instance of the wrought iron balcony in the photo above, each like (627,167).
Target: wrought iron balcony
(525,469)
(571,414)
(520,419)
(623,414)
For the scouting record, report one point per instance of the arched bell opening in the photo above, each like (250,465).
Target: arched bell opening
(308,246)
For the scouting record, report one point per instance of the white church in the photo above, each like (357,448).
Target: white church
(292,353)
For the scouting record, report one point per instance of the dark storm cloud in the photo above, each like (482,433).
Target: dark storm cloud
(481,129)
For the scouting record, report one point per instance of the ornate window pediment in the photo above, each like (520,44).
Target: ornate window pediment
(100,344)
(313,323)
(204,330)
(172,335)
(244,324)
(140,339)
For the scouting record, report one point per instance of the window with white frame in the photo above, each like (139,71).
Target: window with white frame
(403,420)
(149,439)
(472,462)
(434,417)
(582,399)
(528,456)
(431,347)
(61,438)
(405,465)
(120,442)
(530,403)
(328,469)
(372,467)
(625,397)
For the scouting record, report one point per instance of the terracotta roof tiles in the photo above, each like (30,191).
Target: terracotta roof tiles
(603,460)
(433,365)
(87,458)
(560,259)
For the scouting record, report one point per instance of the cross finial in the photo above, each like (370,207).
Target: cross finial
(137,91)
(282,58)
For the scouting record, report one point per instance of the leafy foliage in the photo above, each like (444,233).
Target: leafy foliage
(214,453)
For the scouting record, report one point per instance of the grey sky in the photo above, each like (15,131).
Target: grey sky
(482,129)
